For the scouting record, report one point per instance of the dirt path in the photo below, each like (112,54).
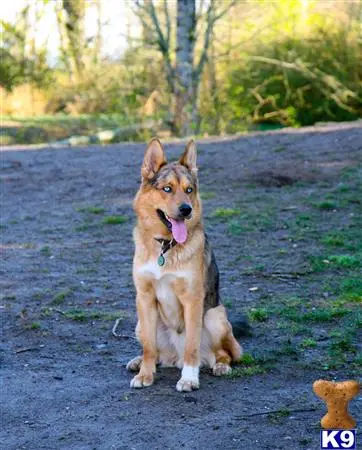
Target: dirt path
(283,212)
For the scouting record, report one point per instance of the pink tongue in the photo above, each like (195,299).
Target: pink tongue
(179,230)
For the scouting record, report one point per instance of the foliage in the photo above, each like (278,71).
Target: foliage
(299,81)
(18,66)
(265,65)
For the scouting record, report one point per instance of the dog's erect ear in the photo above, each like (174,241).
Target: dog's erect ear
(188,159)
(154,159)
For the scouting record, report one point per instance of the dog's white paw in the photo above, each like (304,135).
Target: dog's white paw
(141,380)
(135,364)
(189,379)
(186,385)
(220,369)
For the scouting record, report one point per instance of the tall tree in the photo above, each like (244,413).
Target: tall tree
(70,15)
(184,86)
(183,77)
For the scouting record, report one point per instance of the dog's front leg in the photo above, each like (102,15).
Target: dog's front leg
(147,316)
(193,312)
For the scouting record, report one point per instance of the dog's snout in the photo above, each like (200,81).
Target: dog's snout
(185,209)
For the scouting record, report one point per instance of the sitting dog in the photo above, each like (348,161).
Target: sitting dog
(180,319)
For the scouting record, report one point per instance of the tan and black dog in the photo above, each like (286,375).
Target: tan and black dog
(180,319)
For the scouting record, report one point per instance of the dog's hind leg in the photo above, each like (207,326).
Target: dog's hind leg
(225,346)
(222,364)
(135,364)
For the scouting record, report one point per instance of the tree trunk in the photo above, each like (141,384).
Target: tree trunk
(98,38)
(74,26)
(184,85)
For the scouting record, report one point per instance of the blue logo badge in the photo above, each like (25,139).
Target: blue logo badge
(340,439)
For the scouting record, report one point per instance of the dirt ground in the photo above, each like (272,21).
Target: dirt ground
(283,213)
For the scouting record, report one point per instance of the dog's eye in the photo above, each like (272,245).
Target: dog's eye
(167,189)
(189,190)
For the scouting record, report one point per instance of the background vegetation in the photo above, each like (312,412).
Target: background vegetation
(209,68)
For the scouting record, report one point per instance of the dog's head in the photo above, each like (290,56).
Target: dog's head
(168,200)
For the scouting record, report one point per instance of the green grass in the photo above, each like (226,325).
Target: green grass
(114,220)
(33,326)
(92,210)
(333,240)
(278,416)
(308,343)
(327,205)
(9,297)
(341,346)
(258,314)
(33,130)
(61,296)
(280,149)
(303,220)
(207,195)
(236,228)
(320,263)
(227,303)
(296,314)
(345,261)
(250,365)
(83,315)
(223,213)
(350,290)
(45,251)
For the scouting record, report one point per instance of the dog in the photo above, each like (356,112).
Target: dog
(181,321)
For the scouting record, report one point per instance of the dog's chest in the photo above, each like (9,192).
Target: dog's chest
(169,305)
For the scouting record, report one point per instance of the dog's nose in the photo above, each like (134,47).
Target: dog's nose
(185,209)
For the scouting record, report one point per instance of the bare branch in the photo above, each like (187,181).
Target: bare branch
(211,19)
(162,42)
(225,10)
(207,36)
(168,23)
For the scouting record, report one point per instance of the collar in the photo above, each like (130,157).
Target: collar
(166,244)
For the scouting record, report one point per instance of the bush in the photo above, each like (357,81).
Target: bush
(300,81)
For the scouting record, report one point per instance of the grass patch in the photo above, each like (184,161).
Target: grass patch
(350,290)
(207,195)
(224,213)
(327,205)
(333,240)
(278,416)
(114,220)
(83,315)
(9,297)
(33,326)
(258,314)
(92,210)
(227,303)
(250,365)
(320,263)
(340,346)
(236,228)
(303,220)
(308,343)
(280,149)
(45,251)
(345,261)
(60,297)
(295,314)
